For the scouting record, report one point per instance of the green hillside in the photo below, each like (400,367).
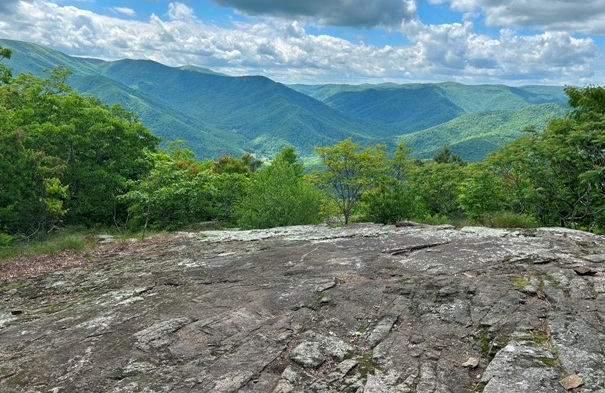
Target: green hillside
(217,114)
(214,113)
(468,98)
(158,116)
(475,135)
(404,109)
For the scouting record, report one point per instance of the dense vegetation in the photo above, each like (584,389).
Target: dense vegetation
(219,114)
(69,160)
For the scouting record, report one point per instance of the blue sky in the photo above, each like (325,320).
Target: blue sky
(515,42)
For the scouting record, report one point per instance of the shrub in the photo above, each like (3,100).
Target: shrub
(508,219)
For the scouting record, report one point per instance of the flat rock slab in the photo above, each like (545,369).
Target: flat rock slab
(361,308)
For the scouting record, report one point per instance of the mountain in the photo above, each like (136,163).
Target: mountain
(214,113)
(474,135)
(217,114)
(473,119)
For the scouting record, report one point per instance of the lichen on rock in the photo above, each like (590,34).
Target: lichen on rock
(362,307)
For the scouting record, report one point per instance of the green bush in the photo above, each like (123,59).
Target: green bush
(508,219)
(5,239)
(279,195)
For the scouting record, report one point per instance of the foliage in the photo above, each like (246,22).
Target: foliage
(65,239)
(391,201)
(69,159)
(229,164)
(5,239)
(508,219)
(445,155)
(5,73)
(65,157)
(387,203)
(279,195)
(349,172)
(484,190)
(172,195)
(436,189)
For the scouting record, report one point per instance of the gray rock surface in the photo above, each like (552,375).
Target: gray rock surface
(361,308)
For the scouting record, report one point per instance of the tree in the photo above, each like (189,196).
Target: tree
(91,148)
(348,172)
(279,195)
(173,194)
(435,188)
(390,201)
(558,176)
(229,164)
(445,155)
(5,73)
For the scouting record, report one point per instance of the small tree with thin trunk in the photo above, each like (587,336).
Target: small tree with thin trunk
(348,172)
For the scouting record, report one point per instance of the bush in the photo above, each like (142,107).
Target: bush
(508,219)
(5,239)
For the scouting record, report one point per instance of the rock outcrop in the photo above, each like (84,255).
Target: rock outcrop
(361,308)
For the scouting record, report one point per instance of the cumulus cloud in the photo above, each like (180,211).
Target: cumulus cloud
(551,57)
(586,16)
(284,50)
(8,6)
(356,13)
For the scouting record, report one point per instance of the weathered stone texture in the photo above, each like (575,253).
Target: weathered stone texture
(361,308)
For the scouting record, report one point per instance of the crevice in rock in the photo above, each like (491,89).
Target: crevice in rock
(409,249)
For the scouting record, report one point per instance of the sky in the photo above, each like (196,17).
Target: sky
(514,42)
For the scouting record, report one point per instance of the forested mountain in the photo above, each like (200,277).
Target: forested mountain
(218,114)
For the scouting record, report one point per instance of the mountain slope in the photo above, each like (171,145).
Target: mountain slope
(213,112)
(475,135)
(266,114)
(217,114)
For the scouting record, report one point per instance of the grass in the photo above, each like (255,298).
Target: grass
(49,244)
(77,239)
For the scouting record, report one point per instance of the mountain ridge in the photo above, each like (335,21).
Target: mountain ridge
(216,113)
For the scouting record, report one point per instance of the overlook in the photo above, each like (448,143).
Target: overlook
(360,308)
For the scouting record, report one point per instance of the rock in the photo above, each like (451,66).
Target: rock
(382,329)
(346,366)
(584,271)
(571,382)
(308,354)
(328,345)
(406,224)
(596,258)
(359,308)
(471,362)
(527,368)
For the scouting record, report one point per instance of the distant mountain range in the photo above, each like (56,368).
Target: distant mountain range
(217,114)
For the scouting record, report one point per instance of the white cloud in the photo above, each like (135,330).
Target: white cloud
(124,10)
(551,57)
(580,16)
(283,50)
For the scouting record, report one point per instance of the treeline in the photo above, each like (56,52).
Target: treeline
(67,159)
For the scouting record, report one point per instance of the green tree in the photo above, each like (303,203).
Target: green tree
(483,191)
(435,188)
(229,164)
(348,172)
(279,195)
(390,201)
(445,155)
(173,195)
(5,73)
(91,148)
